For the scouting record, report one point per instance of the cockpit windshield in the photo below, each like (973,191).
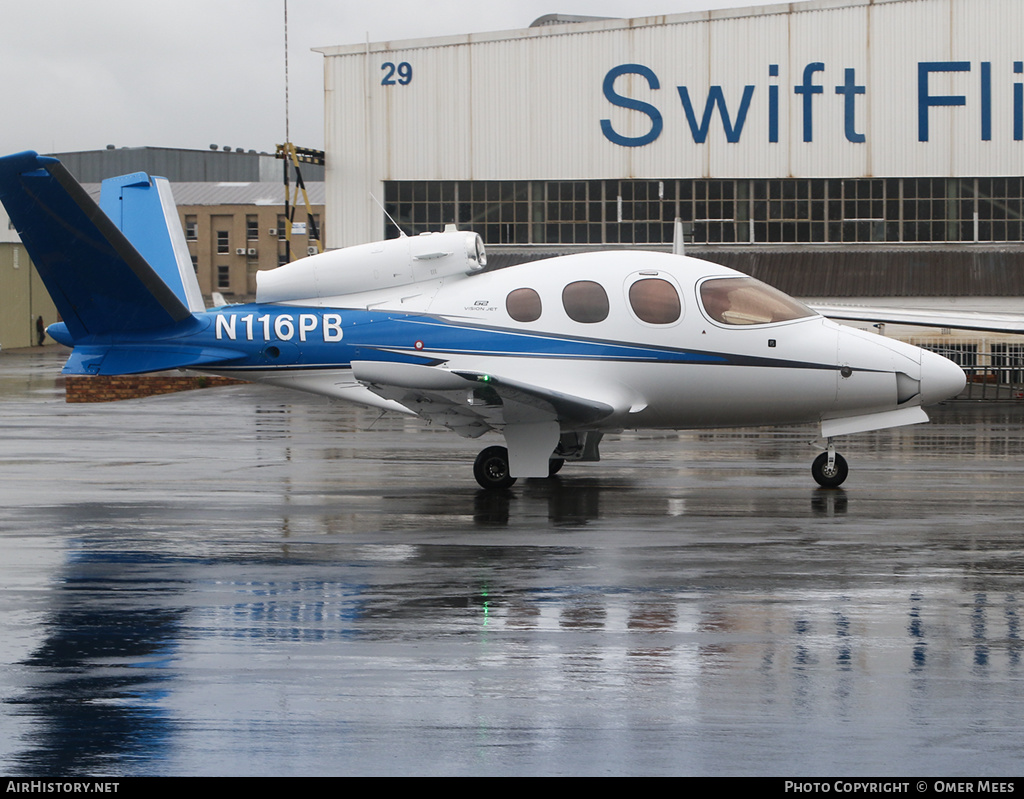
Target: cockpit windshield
(746,301)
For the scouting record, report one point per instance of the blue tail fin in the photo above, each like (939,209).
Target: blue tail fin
(99,282)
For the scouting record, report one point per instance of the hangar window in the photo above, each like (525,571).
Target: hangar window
(1000,209)
(746,301)
(523,305)
(571,212)
(655,301)
(719,211)
(585,301)
(1009,360)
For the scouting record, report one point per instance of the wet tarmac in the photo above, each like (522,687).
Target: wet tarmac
(246,581)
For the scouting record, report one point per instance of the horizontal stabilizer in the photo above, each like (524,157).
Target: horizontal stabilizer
(98,281)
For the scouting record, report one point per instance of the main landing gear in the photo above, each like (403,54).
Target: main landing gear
(829,468)
(491,468)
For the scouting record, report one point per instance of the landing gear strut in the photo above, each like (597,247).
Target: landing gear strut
(491,468)
(829,468)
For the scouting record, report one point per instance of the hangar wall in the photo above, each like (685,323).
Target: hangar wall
(24,297)
(829,89)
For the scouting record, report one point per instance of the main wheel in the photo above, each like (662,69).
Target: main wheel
(491,468)
(555,466)
(829,478)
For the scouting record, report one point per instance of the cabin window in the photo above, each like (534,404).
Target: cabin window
(746,301)
(655,301)
(523,305)
(585,301)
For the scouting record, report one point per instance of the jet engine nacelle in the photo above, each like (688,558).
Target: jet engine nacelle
(380,265)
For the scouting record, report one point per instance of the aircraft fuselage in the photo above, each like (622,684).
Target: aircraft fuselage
(692,372)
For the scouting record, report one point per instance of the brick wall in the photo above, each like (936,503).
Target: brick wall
(89,388)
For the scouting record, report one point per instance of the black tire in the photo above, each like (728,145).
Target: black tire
(555,466)
(824,477)
(491,469)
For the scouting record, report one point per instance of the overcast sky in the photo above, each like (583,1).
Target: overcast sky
(189,73)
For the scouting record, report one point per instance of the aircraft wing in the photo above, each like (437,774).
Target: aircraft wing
(472,402)
(961,320)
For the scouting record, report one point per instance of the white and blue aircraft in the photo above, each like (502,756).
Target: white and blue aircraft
(551,354)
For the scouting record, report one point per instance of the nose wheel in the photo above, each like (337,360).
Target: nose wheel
(829,469)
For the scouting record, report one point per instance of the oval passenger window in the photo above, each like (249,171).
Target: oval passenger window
(655,301)
(523,305)
(585,301)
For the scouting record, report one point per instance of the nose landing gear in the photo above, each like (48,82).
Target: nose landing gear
(829,469)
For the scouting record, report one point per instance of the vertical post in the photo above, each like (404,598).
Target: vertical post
(287,210)
(287,146)
(678,238)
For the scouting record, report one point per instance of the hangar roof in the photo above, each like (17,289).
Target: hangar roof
(573,25)
(230,193)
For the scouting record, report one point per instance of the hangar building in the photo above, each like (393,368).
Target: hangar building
(825,146)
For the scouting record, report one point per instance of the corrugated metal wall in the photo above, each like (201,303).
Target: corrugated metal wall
(528,105)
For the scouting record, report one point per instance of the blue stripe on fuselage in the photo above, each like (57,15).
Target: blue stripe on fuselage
(274,336)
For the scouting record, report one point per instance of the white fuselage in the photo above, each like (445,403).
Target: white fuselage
(690,372)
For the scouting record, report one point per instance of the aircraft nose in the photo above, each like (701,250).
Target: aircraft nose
(940,378)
